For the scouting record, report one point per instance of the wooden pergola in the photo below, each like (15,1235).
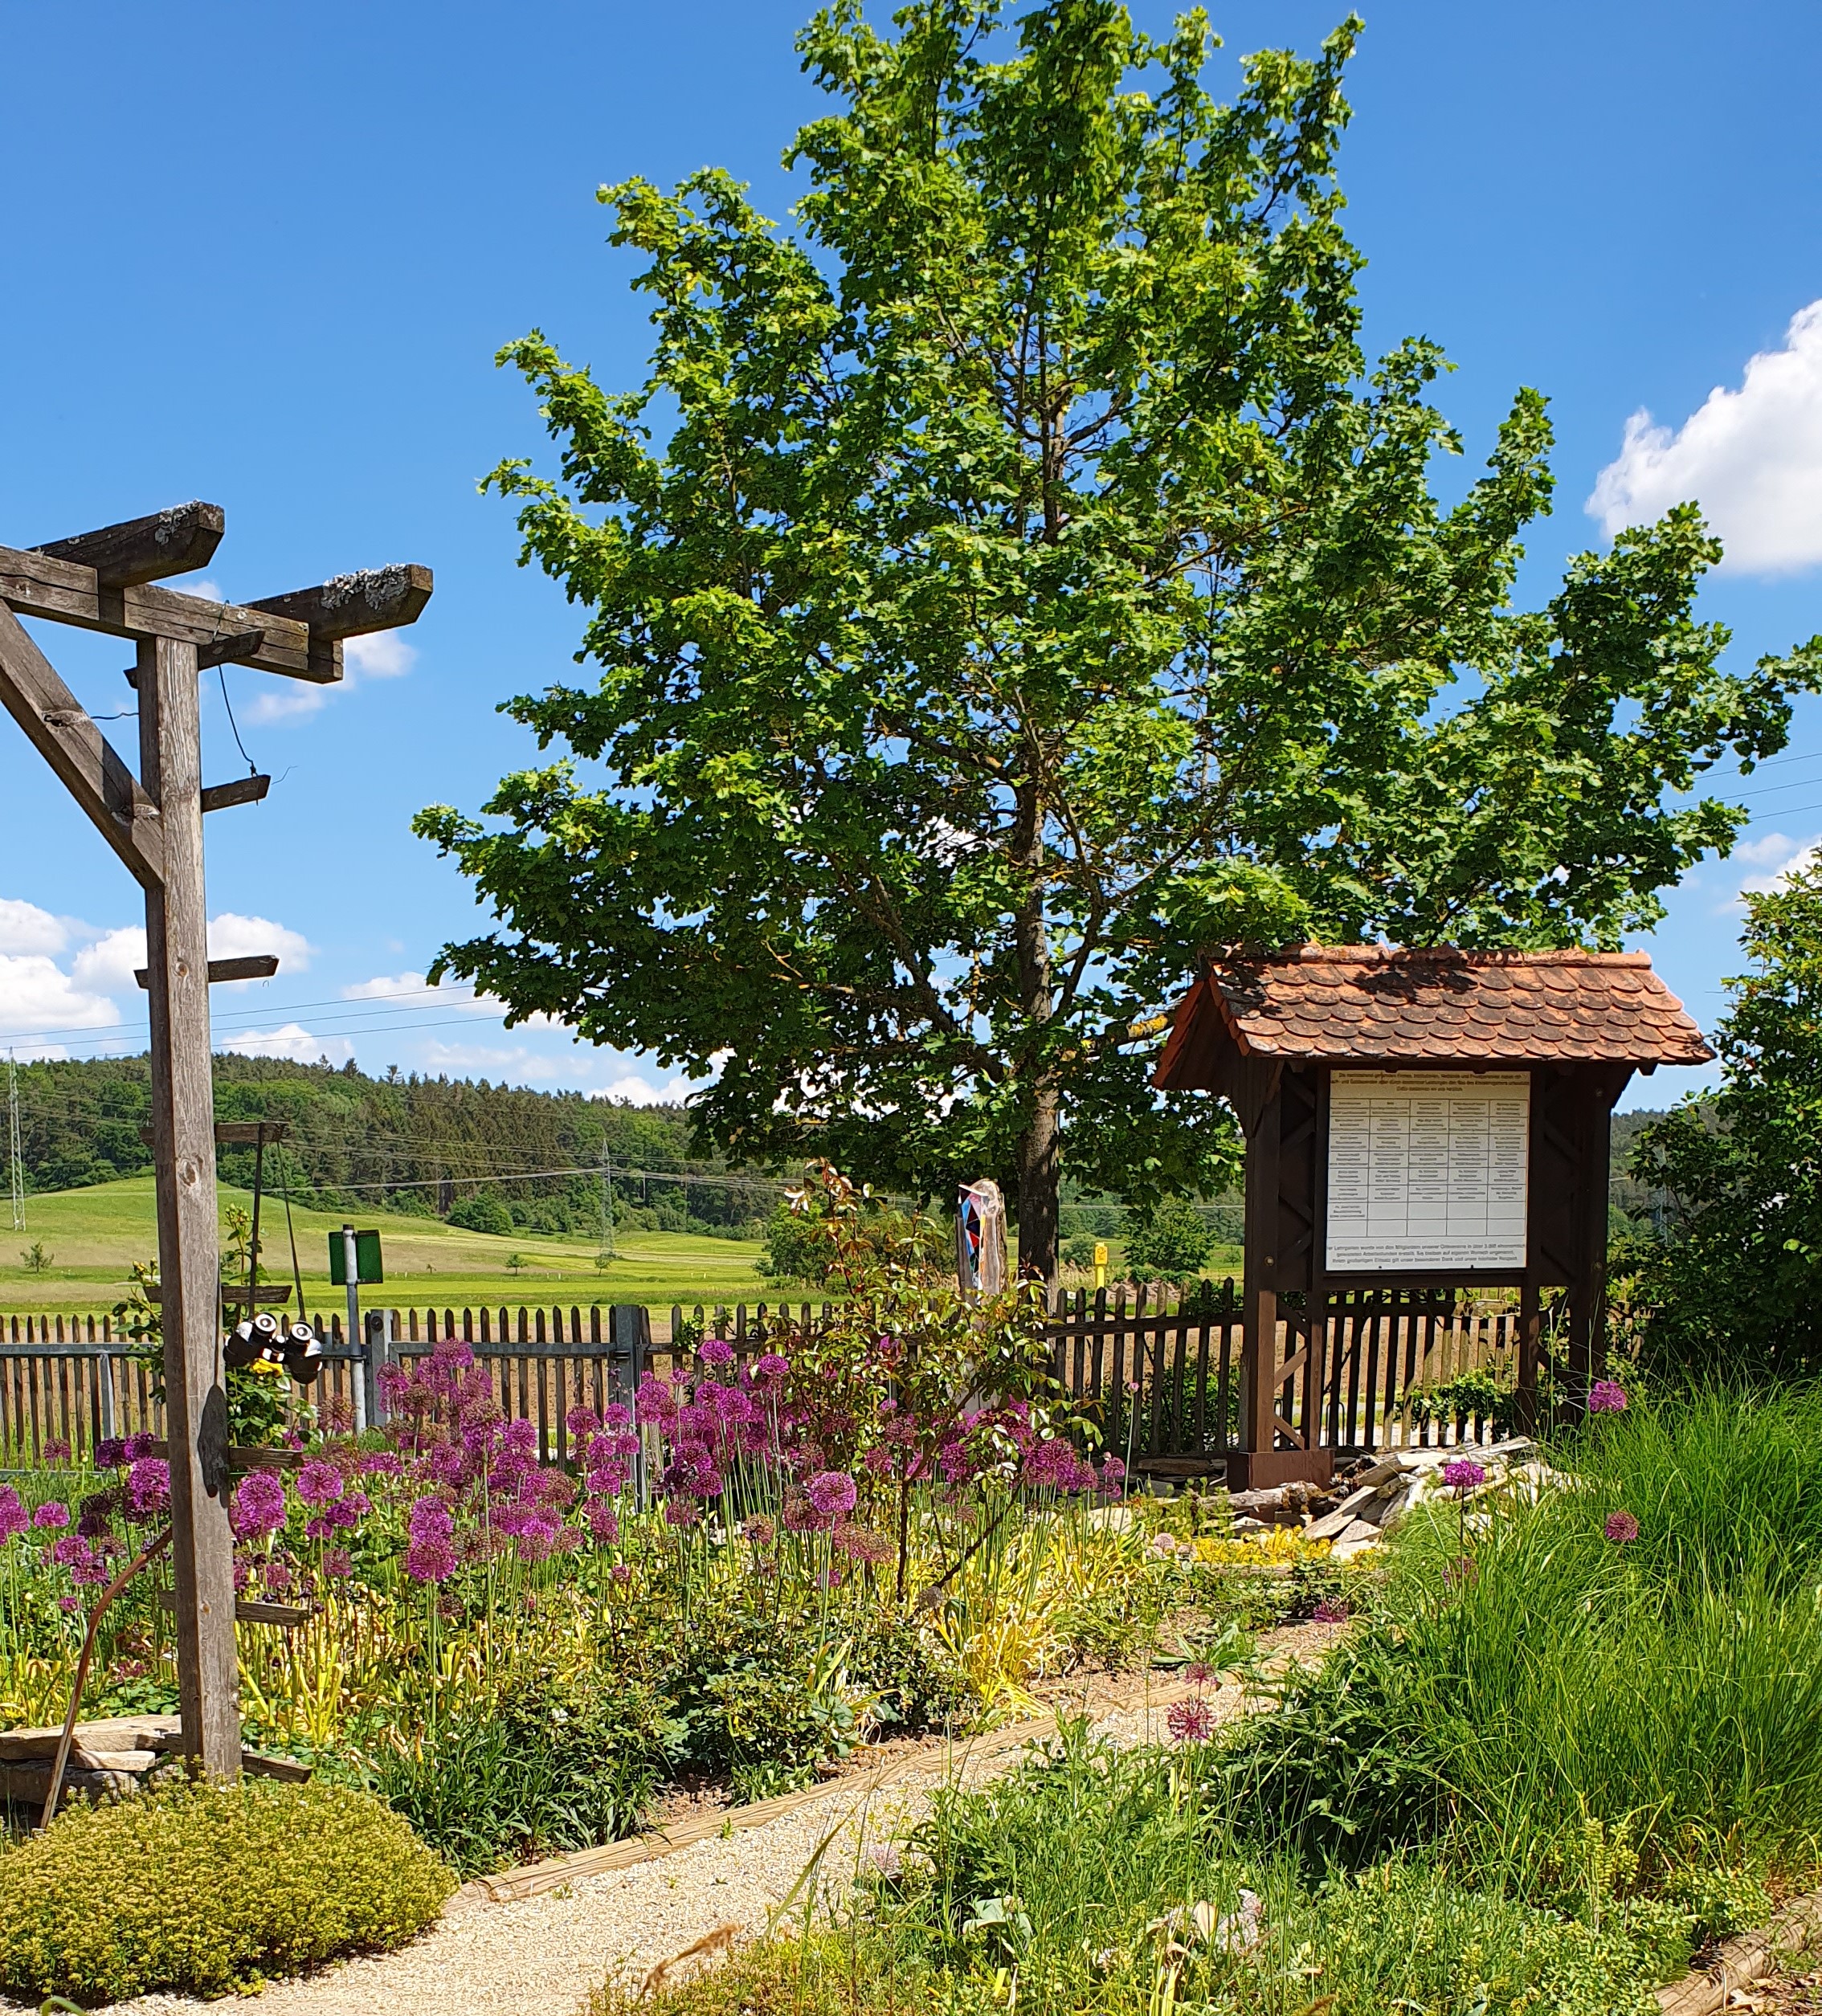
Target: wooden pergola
(1416,1120)
(106,581)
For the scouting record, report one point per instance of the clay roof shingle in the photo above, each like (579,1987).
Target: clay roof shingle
(1381,1003)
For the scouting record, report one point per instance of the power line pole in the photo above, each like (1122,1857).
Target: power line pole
(15,1157)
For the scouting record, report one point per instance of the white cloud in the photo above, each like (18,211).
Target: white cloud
(1752,459)
(205,589)
(291,1040)
(465,1057)
(1777,858)
(415,987)
(382,654)
(25,928)
(112,960)
(234,937)
(641,1091)
(35,992)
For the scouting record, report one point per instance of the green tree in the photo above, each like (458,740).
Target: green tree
(483,1213)
(1015,583)
(1170,1241)
(1735,1286)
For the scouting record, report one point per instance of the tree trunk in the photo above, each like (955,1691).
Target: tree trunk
(1039,1174)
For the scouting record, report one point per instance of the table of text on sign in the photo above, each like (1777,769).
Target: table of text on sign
(1427,1169)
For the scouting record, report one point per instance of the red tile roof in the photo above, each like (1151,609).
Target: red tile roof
(1352,1003)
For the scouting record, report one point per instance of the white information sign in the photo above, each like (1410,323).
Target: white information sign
(1428,1170)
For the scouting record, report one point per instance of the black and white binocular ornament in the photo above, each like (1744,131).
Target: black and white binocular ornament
(261,1342)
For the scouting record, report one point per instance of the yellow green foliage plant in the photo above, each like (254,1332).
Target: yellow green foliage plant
(210,1887)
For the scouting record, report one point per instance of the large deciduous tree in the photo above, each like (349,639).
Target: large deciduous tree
(1013,583)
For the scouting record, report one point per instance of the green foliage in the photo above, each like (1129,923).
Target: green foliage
(35,1260)
(552,1765)
(208,1888)
(483,1212)
(1735,1285)
(1018,581)
(1470,1396)
(1170,1241)
(1668,1689)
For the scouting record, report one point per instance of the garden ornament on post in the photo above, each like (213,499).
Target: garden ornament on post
(106,581)
(980,1239)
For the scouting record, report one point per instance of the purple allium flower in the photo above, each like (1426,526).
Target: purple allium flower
(1190,1721)
(862,1543)
(770,1368)
(616,1418)
(56,1449)
(1461,1475)
(717,1351)
(52,1514)
(603,1521)
(338,1563)
(317,1528)
(72,1548)
(91,1573)
(833,1492)
(277,1577)
(149,1487)
(349,1510)
(1332,1610)
(886,1857)
(69,1605)
(95,1514)
(680,1512)
(429,1558)
(1197,1673)
(619,1572)
(14,1517)
(1622,1528)
(431,1517)
(110,1453)
(380,1463)
(139,1446)
(582,1420)
(1607,1396)
(319,1483)
(259,1505)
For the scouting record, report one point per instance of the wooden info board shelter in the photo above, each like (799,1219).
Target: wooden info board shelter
(106,581)
(1416,1123)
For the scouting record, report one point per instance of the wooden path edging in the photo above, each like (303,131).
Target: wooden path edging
(1743,1960)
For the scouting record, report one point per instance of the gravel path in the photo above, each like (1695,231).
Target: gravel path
(541,1956)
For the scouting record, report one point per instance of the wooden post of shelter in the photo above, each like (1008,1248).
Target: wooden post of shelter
(106,581)
(1420,1123)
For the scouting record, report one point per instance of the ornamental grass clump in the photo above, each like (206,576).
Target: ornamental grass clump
(209,1888)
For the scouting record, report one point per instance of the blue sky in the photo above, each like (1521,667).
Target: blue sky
(264,255)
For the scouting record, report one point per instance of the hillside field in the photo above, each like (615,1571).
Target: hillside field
(93,1235)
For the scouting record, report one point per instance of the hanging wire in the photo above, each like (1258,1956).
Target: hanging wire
(252,767)
(297,1269)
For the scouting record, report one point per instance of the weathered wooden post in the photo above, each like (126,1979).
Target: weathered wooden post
(104,580)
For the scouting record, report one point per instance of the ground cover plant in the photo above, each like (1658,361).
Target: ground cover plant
(1572,1736)
(886,1521)
(210,1887)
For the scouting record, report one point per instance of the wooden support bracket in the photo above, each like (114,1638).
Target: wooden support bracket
(244,790)
(177,541)
(258,965)
(352,605)
(95,776)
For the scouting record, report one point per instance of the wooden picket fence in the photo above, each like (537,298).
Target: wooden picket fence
(1156,1370)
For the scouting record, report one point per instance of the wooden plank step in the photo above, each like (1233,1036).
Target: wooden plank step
(106,1732)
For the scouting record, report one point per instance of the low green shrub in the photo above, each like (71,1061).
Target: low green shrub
(551,1766)
(210,1887)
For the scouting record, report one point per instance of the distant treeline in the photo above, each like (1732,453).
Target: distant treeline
(499,1157)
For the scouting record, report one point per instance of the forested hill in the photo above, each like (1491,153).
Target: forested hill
(421,1144)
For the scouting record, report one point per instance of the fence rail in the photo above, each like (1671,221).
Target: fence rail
(1157,1369)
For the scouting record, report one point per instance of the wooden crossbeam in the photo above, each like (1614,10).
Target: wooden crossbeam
(354,606)
(244,790)
(177,541)
(94,774)
(260,965)
(37,584)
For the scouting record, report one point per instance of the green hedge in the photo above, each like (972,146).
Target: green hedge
(210,1887)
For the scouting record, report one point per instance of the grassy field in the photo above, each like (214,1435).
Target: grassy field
(93,1235)
(90,1238)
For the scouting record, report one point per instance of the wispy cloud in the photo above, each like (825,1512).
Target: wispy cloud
(1752,459)
(383,655)
(291,1040)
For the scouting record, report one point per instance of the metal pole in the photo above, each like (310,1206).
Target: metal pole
(15,1156)
(351,1266)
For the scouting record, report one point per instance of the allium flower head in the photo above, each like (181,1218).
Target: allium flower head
(53,1515)
(429,1558)
(1607,1396)
(139,1446)
(833,1492)
(1462,1476)
(1622,1528)
(14,1517)
(338,1563)
(1197,1673)
(1190,1721)
(619,1572)
(110,1453)
(149,1487)
(1332,1610)
(770,1368)
(717,1351)
(259,1505)
(380,1463)
(319,1483)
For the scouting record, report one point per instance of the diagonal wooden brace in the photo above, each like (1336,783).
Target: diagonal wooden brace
(95,774)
